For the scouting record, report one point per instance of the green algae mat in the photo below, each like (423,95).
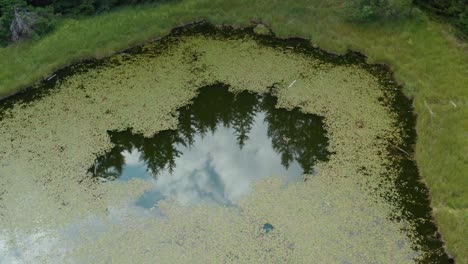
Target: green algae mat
(214,145)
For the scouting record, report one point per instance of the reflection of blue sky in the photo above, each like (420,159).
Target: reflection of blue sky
(215,169)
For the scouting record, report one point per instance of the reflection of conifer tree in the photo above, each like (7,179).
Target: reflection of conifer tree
(185,127)
(278,130)
(211,107)
(297,136)
(243,114)
(126,139)
(159,152)
(109,165)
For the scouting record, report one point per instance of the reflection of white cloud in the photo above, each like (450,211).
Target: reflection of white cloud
(133,157)
(215,169)
(53,246)
(28,248)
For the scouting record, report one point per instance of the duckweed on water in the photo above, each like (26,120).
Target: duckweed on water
(352,210)
(218,132)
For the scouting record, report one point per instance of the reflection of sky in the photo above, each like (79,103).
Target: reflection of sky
(214,169)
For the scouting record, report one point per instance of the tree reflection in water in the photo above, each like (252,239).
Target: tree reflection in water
(295,136)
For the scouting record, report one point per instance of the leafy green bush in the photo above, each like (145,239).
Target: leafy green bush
(372,10)
(45,21)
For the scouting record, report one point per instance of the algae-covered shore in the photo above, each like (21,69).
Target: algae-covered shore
(355,209)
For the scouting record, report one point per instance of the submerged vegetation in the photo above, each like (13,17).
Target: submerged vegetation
(430,63)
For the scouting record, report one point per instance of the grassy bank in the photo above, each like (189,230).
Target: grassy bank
(431,64)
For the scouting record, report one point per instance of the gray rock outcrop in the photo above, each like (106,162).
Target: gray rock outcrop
(21,26)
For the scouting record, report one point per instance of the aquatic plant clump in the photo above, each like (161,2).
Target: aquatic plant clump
(351,209)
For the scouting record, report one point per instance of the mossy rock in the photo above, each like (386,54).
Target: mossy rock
(262,29)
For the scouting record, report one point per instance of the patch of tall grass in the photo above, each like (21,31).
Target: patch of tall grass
(432,65)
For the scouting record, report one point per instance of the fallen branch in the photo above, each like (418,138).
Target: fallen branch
(402,150)
(293,82)
(51,77)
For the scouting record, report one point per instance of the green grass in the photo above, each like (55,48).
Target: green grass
(427,59)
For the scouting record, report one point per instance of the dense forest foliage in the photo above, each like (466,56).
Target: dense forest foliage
(455,11)
(24,19)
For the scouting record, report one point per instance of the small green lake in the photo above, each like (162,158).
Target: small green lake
(214,144)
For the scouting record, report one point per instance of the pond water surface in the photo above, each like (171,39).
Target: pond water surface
(223,141)
(251,149)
